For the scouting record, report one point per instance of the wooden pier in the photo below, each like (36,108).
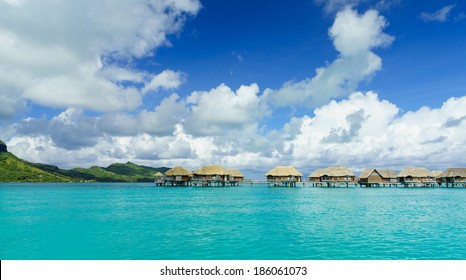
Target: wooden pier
(332,184)
(379,185)
(282,183)
(213,183)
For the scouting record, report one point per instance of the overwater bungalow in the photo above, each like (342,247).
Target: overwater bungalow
(210,175)
(284,176)
(177,176)
(417,177)
(235,176)
(375,177)
(158,179)
(332,176)
(454,177)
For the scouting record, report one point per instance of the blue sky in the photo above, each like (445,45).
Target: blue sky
(245,84)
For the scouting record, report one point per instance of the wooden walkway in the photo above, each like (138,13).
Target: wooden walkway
(195,183)
(290,183)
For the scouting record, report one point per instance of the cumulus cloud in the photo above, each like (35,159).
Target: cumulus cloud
(221,109)
(73,129)
(163,119)
(168,79)
(69,130)
(440,15)
(176,149)
(63,54)
(354,36)
(353,33)
(364,131)
(452,122)
(341,135)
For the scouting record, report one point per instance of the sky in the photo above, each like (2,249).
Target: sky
(244,84)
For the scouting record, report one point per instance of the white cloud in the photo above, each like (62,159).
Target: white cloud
(336,5)
(42,149)
(83,89)
(10,104)
(364,131)
(219,110)
(164,118)
(440,15)
(168,79)
(73,130)
(69,130)
(331,6)
(115,73)
(176,149)
(61,54)
(354,36)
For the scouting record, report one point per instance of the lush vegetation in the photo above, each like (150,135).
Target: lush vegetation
(117,172)
(14,169)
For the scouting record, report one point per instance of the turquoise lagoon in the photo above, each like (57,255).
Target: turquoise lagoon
(140,221)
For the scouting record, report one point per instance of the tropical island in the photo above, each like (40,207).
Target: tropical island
(14,169)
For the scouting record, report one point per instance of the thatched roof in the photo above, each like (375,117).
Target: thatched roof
(366,173)
(418,172)
(318,173)
(453,172)
(158,174)
(384,173)
(281,171)
(331,171)
(435,173)
(235,173)
(178,171)
(211,170)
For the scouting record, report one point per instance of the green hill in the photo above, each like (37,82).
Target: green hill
(14,169)
(99,174)
(118,172)
(139,173)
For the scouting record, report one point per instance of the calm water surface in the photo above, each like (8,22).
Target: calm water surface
(139,221)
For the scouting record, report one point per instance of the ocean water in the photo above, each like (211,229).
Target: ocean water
(140,221)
